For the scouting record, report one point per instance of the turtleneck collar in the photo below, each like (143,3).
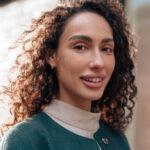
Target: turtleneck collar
(78,119)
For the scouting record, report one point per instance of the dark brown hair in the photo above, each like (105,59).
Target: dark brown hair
(36,82)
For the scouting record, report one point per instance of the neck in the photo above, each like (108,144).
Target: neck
(79,121)
(82,104)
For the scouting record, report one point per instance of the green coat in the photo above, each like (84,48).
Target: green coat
(40,132)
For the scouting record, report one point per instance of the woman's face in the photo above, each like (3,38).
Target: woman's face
(84,60)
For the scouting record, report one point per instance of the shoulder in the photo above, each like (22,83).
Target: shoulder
(116,139)
(109,130)
(16,138)
(24,135)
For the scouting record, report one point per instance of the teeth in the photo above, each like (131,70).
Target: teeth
(95,80)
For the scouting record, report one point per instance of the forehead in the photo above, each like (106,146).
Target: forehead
(88,23)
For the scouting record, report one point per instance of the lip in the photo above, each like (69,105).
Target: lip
(88,81)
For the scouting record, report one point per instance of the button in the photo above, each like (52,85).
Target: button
(105,140)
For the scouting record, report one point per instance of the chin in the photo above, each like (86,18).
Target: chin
(94,97)
(97,95)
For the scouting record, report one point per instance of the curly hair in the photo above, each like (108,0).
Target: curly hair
(36,82)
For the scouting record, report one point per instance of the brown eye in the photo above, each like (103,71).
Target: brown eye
(107,50)
(81,47)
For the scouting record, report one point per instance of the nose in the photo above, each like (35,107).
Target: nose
(97,60)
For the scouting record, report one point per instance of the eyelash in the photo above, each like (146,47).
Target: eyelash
(83,47)
(80,47)
(107,50)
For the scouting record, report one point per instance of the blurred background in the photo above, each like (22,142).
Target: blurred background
(16,14)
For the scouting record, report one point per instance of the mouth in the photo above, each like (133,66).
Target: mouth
(92,82)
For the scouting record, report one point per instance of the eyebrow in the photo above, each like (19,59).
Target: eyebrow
(88,39)
(81,37)
(108,40)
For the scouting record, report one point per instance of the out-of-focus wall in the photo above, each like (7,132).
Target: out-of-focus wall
(14,17)
(139,131)
(138,12)
(142,140)
(131,19)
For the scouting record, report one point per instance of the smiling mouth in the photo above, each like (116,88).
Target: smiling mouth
(92,82)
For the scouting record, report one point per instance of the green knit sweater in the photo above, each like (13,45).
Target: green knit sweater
(40,132)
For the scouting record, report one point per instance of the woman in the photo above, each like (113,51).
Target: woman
(75,86)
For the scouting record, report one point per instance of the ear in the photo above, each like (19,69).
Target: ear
(51,61)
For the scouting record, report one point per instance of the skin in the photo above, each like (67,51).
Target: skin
(85,52)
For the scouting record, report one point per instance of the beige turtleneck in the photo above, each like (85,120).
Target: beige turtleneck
(78,121)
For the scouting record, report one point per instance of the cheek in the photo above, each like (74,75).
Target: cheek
(71,61)
(67,67)
(110,65)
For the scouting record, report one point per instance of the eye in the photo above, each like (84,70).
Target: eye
(80,47)
(108,50)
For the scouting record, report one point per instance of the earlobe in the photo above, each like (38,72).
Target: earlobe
(52,61)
